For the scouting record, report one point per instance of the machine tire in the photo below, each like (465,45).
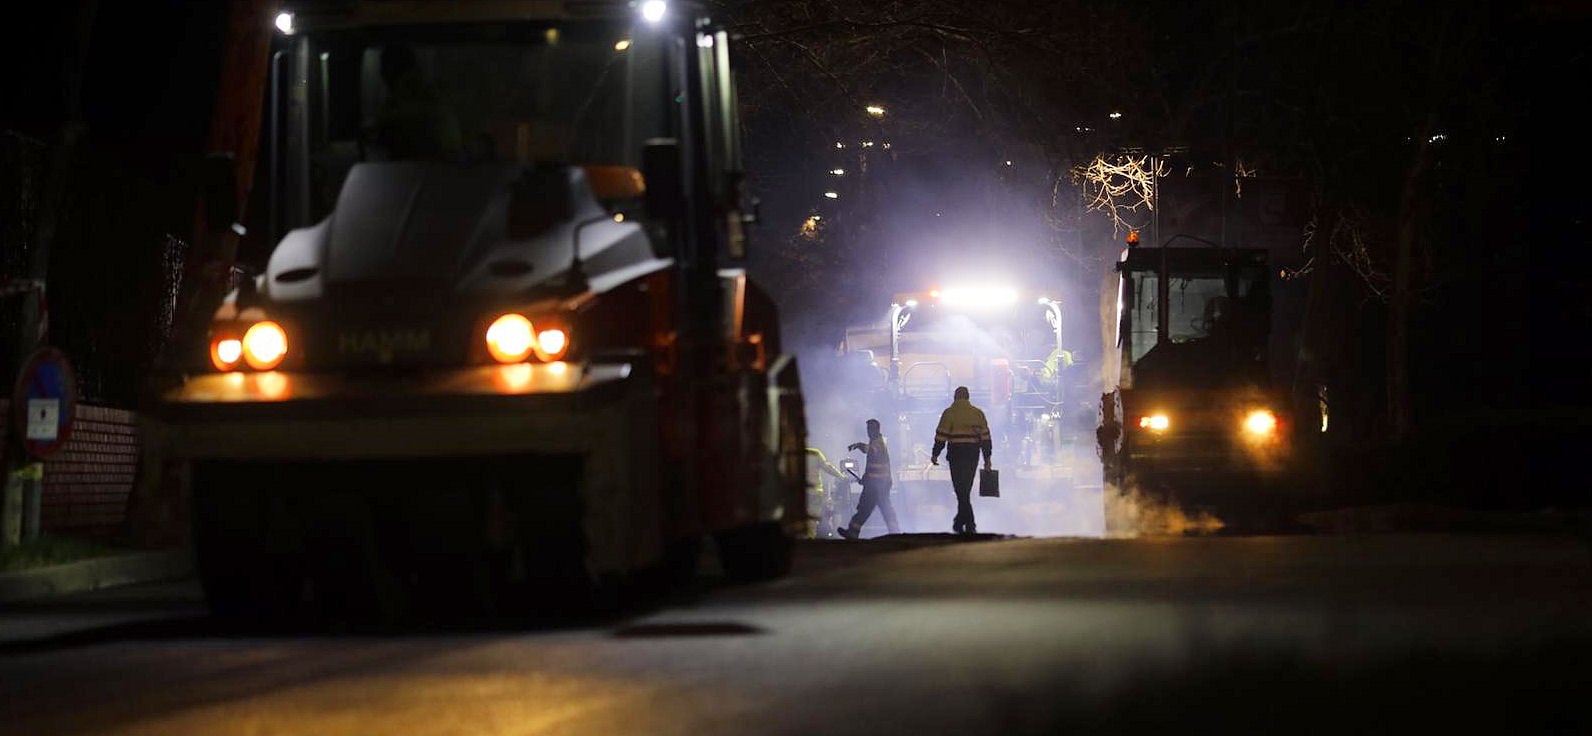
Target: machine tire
(551,553)
(244,582)
(681,558)
(755,552)
(348,571)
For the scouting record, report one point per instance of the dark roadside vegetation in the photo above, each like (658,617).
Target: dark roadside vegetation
(1512,474)
(53,550)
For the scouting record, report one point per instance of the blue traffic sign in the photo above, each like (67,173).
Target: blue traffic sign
(44,402)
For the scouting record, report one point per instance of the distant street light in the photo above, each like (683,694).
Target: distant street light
(1116,116)
(809,227)
(838,172)
(832,195)
(875,111)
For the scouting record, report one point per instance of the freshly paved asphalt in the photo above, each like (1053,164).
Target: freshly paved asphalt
(919,634)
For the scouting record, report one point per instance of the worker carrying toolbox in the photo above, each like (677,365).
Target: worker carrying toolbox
(963,433)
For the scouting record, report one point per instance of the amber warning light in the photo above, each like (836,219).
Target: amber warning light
(1133,237)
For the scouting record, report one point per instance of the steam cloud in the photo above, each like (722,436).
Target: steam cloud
(1132,512)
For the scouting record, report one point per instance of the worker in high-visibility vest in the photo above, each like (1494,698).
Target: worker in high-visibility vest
(963,433)
(876,481)
(1057,361)
(821,504)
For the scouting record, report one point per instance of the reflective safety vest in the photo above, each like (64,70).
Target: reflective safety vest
(878,460)
(1057,360)
(817,466)
(962,424)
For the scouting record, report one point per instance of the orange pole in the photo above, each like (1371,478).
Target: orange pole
(235,125)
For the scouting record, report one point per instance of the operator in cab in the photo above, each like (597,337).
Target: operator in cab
(413,122)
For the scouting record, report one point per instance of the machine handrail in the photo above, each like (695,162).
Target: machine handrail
(946,369)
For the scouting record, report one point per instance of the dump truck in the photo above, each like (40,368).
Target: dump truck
(499,358)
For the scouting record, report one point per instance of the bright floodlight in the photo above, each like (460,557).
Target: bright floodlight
(996,296)
(912,302)
(284,23)
(875,110)
(832,195)
(652,10)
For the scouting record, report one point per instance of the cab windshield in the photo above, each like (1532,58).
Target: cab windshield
(507,93)
(1217,326)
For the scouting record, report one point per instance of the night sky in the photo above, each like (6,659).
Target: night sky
(150,76)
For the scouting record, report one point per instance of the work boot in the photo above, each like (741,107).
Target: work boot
(956,527)
(970,529)
(847,532)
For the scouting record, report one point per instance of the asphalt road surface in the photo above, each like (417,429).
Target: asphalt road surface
(918,634)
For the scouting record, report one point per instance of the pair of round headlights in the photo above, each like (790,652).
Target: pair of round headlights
(262,347)
(512,338)
(1258,423)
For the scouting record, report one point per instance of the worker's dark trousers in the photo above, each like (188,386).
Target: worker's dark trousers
(963,459)
(875,493)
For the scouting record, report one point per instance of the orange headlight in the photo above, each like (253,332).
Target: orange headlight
(1260,423)
(264,345)
(1155,422)
(551,344)
(511,338)
(225,353)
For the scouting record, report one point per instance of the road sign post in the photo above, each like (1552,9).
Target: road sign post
(43,405)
